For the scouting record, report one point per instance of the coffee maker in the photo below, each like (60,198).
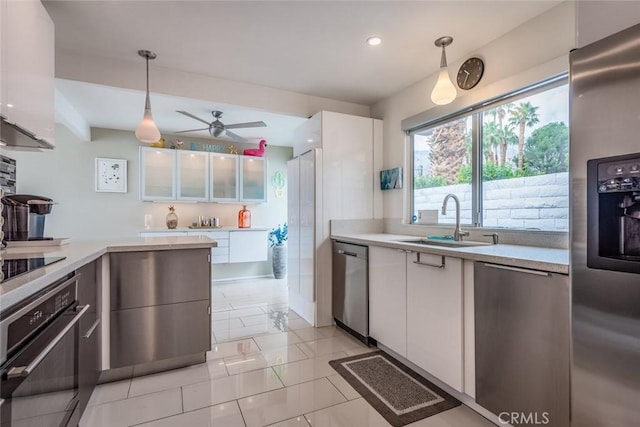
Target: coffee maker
(613,215)
(24,216)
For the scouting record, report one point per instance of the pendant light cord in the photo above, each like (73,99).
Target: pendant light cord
(147,104)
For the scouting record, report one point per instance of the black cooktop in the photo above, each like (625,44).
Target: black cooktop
(16,267)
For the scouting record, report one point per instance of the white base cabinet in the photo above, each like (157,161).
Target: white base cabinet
(388,298)
(248,246)
(435,316)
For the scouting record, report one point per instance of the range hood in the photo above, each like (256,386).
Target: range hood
(12,135)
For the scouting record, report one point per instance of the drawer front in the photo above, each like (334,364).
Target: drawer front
(215,235)
(140,279)
(220,259)
(148,334)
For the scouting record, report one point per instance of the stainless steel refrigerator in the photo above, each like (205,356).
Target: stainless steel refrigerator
(605,231)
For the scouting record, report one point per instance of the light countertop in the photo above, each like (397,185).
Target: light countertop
(183,229)
(78,254)
(535,258)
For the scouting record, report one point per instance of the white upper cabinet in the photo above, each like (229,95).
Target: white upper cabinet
(157,174)
(223,178)
(193,175)
(253,173)
(198,176)
(27,49)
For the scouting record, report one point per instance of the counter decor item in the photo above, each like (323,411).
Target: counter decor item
(277,239)
(244,217)
(172,218)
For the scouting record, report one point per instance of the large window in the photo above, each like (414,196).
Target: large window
(521,146)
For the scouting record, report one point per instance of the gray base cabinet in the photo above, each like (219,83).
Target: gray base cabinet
(159,305)
(89,340)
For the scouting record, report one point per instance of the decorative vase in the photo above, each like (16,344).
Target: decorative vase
(244,217)
(280,261)
(172,218)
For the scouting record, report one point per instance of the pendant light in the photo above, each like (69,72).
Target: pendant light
(444,92)
(147,131)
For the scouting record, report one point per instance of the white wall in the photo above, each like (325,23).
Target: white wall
(598,19)
(66,175)
(531,52)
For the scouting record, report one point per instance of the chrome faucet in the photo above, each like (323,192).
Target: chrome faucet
(458,234)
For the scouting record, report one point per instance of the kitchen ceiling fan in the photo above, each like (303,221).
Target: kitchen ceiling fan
(217,129)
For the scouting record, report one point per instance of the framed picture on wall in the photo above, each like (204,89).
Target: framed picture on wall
(111,175)
(391,179)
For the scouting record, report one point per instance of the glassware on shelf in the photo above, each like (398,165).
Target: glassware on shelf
(244,217)
(172,218)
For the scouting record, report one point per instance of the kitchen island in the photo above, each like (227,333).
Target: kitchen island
(141,305)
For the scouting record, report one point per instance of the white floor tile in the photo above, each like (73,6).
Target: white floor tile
(135,410)
(344,387)
(232,348)
(232,314)
(224,415)
(459,416)
(282,339)
(170,379)
(329,345)
(264,359)
(312,334)
(196,396)
(260,319)
(226,324)
(298,324)
(300,421)
(110,392)
(307,370)
(289,402)
(355,413)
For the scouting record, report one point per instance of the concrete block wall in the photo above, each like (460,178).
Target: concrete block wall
(539,202)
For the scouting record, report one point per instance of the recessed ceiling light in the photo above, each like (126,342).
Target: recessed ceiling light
(374,41)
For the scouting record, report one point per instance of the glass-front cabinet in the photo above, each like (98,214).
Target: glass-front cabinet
(157,174)
(253,172)
(223,177)
(193,176)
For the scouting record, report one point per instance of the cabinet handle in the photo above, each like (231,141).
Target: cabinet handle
(519,270)
(426,264)
(91,329)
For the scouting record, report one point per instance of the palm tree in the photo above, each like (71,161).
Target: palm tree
(523,116)
(503,133)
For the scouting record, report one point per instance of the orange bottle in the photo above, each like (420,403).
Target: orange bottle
(244,217)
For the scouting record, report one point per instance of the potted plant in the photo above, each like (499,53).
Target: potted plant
(277,239)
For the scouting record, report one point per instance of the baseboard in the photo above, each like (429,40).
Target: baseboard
(228,279)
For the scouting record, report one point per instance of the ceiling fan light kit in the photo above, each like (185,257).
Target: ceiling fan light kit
(147,131)
(217,129)
(444,92)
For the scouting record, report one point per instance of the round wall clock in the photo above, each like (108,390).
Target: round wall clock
(470,73)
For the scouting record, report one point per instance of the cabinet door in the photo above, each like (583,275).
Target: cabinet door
(223,178)
(253,172)
(157,174)
(193,175)
(388,298)
(248,246)
(434,316)
(219,254)
(28,66)
(89,347)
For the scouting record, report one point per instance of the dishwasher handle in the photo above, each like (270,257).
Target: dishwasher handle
(342,252)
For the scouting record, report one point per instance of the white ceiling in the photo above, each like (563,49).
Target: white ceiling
(312,47)
(117,108)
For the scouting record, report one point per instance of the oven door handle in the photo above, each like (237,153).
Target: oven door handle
(23,371)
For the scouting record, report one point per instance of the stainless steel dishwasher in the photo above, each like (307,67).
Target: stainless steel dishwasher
(351,288)
(522,344)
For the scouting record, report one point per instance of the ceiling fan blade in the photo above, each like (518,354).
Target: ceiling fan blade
(246,125)
(191,130)
(236,137)
(194,117)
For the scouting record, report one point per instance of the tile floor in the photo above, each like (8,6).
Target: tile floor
(267,367)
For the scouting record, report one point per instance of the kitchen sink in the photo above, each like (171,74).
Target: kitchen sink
(446,243)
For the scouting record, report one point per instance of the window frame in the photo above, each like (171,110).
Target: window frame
(476,112)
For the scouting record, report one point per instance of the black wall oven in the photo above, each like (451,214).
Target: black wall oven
(39,358)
